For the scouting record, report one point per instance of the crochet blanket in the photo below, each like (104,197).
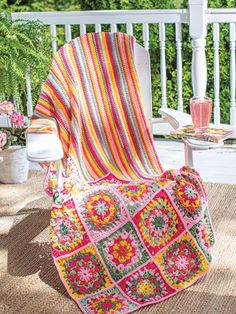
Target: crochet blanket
(123,233)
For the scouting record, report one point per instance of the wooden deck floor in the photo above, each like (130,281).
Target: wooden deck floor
(217,165)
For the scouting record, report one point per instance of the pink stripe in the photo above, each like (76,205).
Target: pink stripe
(125,113)
(109,129)
(112,103)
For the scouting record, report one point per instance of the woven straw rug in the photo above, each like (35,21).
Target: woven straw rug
(29,282)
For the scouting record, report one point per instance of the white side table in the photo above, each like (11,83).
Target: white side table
(178,119)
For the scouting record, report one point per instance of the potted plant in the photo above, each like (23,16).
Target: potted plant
(14,165)
(25,51)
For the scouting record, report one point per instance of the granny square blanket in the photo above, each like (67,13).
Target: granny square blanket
(123,233)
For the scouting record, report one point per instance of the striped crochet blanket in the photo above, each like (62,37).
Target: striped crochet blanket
(123,233)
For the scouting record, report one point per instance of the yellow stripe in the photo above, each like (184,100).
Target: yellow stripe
(105,124)
(118,102)
(141,129)
(91,128)
(111,121)
(148,144)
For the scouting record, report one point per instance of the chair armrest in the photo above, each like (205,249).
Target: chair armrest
(41,145)
(176,118)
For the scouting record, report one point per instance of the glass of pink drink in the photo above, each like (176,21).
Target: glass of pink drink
(201,109)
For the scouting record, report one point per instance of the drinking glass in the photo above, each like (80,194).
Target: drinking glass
(200,109)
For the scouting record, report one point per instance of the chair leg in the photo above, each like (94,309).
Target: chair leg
(188,153)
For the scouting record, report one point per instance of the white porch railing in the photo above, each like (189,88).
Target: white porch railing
(197,16)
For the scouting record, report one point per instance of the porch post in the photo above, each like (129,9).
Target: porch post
(198,31)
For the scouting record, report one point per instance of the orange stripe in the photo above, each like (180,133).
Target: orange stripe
(134,101)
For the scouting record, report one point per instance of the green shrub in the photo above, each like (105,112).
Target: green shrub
(171,72)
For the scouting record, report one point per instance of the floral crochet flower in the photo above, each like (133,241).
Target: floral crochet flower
(6,107)
(3,139)
(182,262)
(110,301)
(122,251)
(188,198)
(17,119)
(108,304)
(67,233)
(158,222)
(145,285)
(83,272)
(135,192)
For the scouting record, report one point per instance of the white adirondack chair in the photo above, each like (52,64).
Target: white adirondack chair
(47,147)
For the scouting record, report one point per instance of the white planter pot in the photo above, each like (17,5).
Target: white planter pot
(14,166)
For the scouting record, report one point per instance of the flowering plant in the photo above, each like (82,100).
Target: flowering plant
(15,133)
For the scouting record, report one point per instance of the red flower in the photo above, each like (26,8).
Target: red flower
(68,270)
(174,249)
(182,246)
(69,204)
(193,269)
(106,305)
(97,269)
(158,289)
(77,277)
(87,258)
(169,254)
(170,270)
(71,278)
(82,290)
(181,277)
(194,254)
(72,263)
(96,284)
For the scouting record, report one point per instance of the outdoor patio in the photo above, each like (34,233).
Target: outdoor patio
(29,282)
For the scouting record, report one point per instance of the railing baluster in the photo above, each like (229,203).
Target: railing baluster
(163,63)
(29,94)
(129,29)
(68,32)
(232,75)
(113,28)
(98,28)
(216,39)
(178,38)
(146,36)
(53,30)
(82,29)
(197,31)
